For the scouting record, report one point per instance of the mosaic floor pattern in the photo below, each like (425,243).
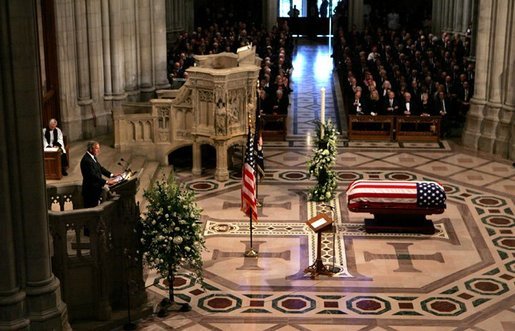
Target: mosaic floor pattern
(460,278)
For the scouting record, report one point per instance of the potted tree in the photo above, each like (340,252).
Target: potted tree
(171,235)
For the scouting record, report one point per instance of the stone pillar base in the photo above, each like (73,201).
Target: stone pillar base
(46,309)
(472,131)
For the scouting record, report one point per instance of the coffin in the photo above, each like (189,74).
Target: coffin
(397,206)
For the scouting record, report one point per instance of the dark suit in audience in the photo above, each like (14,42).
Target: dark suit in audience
(391,105)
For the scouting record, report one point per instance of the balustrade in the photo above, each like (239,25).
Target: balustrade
(95,268)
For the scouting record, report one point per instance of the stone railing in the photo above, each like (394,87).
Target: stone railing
(95,269)
(146,128)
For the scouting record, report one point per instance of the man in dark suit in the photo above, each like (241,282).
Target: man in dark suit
(409,106)
(391,105)
(92,171)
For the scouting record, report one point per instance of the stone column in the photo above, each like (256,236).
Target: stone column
(504,143)
(467,15)
(71,117)
(494,83)
(159,43)
(82,52)
(197,159)
(449,15)
(175,19)
(221,172)
(443,14)
(270,13)
(29,292)
(12,296)
(117,51)
(436,18)
(96,56)
(475,115)
(356,14)
(145,48)
(474,18)
(189,12)
(106,41)
(100,117)
(458,16)
(129,29)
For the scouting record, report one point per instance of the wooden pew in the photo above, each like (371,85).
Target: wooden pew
(417,128)
(368,127)
(273,126)
(394,128)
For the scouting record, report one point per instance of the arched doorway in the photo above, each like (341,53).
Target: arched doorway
(182,158)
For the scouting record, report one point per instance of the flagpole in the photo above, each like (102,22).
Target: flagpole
(252,252)
(258,130)
(258,204)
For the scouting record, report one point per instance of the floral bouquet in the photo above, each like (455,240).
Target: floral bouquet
(322,162)
(170,231)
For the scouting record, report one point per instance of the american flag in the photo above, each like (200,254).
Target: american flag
(248,181)
(395,194)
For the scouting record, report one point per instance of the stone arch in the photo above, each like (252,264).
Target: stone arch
(183,155)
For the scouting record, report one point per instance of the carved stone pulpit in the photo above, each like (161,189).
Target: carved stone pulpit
(213,107)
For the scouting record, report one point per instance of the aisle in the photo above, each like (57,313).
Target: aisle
(312,70)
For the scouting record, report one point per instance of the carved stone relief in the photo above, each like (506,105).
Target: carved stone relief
(221,118)
(163,116)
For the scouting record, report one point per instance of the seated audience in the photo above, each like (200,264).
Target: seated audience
(409,60)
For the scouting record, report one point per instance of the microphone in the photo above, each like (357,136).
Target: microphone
(125,166)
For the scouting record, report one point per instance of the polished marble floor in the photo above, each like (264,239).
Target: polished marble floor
(460,278)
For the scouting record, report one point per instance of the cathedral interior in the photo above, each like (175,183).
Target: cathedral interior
(117,72)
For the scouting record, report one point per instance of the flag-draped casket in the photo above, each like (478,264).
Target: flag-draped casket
(396,197)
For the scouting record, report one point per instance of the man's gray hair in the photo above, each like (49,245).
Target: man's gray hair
(90,145)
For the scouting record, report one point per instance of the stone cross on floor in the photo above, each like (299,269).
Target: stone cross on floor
(249,263)
(262,207)
(403,257)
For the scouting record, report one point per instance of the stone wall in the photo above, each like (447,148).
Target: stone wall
(109,51)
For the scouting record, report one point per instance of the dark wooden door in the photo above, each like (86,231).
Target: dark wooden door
(49,69)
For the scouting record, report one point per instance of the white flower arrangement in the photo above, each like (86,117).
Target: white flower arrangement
(171,235)
(321,164)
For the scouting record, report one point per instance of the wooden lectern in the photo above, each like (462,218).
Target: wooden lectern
(52,162)
(319,224)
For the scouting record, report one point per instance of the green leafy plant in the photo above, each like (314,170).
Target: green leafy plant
(322,162)
(170,230)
